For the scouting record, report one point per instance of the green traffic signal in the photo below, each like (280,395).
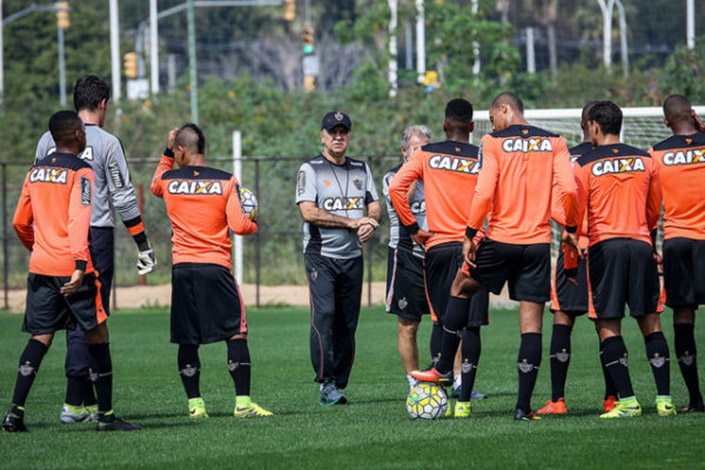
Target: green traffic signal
(308,48)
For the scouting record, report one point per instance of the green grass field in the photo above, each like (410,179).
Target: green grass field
(374,430)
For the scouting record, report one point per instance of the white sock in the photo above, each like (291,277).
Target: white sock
(412,381)
(457,381)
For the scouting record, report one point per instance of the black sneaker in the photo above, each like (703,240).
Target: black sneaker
(13,423)
(117,425)
(521,415)
(694,407)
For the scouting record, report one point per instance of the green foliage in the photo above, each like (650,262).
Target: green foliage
(684,72)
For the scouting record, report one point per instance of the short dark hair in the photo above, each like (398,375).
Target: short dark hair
(63,124)
(191,136)
(509,98)
(608,116)
(459,110)
(89,91)
(677,108)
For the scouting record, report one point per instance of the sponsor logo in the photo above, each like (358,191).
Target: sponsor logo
(537,144)
(195,187)
(26,370)
(418,207)
(49,175)
(86,191)
(525,367)
(563,356)
(343,203)
(688,141)
(615,151)
(116,175)
(87,154)
(618,165)
(682,157)
(326,182)
(658,361)
(301,183)
(460,165)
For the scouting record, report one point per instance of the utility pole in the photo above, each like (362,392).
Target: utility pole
(153,46)
(420,42)
(115,50)
(607,9)
(530,55)
(623,38)
(61,23)
(393,48)
(476,45)
(192,62)
(690,24)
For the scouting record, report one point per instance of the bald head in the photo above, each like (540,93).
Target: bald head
(509,99)
(191,138)
(677,110)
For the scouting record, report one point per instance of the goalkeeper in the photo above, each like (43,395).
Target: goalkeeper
(202,203)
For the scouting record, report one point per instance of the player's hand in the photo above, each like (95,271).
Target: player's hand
(659,262)
(469,250)
(421,237)
(146,261)
(74,283)
(365,232)
(571,239)
(357,223)
(698,123)
(172,137)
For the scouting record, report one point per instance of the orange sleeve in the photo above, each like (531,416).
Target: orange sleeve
(486,185)
(24,217)
(80,206)
(166,164)
(653,198)
(399,187)
(564,179)
(582,182)
(237,220)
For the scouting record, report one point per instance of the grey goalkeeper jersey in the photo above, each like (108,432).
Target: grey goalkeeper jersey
(113,188)
(342,190)
(399,236)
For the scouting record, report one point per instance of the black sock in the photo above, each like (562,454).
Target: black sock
(74,390)
(455,319)
(470,350)
(528,364)
(436,342)
(659,358)
(102,375)
(616,362)
(88,394)
(189,369)
(610,387)
(687,354)
(30,360)
(560,360)
(239,365)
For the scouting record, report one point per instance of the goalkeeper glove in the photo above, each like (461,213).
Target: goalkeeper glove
(146,261)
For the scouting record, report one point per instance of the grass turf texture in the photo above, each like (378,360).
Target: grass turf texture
(374,430)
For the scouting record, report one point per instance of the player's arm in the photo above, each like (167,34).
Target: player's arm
(564,178)
(653,203)
(24,218)
(165,164)
(80,205)
(484,190)
(237,220)
(400,187)
(374,209)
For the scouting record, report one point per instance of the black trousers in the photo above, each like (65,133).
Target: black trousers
(335,287)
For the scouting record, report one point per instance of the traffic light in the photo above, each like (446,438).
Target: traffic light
(307,41)
(62,15)
(289,10)
(131,65)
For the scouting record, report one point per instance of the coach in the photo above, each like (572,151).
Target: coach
(332,192)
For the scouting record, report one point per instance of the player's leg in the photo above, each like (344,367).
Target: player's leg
(348,297)
(239,365)
(686,351)
(529,359)
(610,399)
(616,362)
(408,349)
(559,356)
(189,364)
(659,359)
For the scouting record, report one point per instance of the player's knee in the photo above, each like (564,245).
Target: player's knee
(649,324)
(98,335)
(684,315)
(408,327)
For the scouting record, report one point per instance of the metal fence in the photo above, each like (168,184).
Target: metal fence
(273,256)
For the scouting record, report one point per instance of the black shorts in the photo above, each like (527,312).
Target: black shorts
(527,269)
(566,296)
(441,267)
(406,290)
(205,304)
(622,271)
(48,310)
(684,272)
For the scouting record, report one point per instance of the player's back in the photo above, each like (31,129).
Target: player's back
(399,235)
(56,200)
(201,203)
(522,160)
(622,195)
(449,177)
(681,165)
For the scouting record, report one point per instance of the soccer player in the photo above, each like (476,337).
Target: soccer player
(619,187)
(449,173)
(52,220)
(680,161)
(202,204)
(519,165)
(406,287)
(333,191)
(105,154)
(569,301)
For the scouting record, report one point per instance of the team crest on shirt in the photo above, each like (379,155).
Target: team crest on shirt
(49,175)
(456,164)
(357,182)
(343,203)
(198,188)
(618,165)
(537,144)
(686,157)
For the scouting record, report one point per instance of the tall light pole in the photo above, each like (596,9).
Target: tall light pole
(690,24)
(115,50)
(192,62)
(393,48)
(154,46)
(61,24)
(420,42)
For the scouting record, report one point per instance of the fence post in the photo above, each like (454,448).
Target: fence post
(237,171)
(257,239)
(140,203)
(369,272)
(5,264)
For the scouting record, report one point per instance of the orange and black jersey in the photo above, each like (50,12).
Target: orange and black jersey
(618,187)
(519,166)
(680,161)
(202,203)
(449,174)
(557,212)
(54,213)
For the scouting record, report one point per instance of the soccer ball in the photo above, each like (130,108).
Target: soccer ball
(427,401)
(248,202)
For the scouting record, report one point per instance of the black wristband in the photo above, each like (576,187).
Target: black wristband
(169,153)
(81,265)
(413,228)
(571,228)
(470,232)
